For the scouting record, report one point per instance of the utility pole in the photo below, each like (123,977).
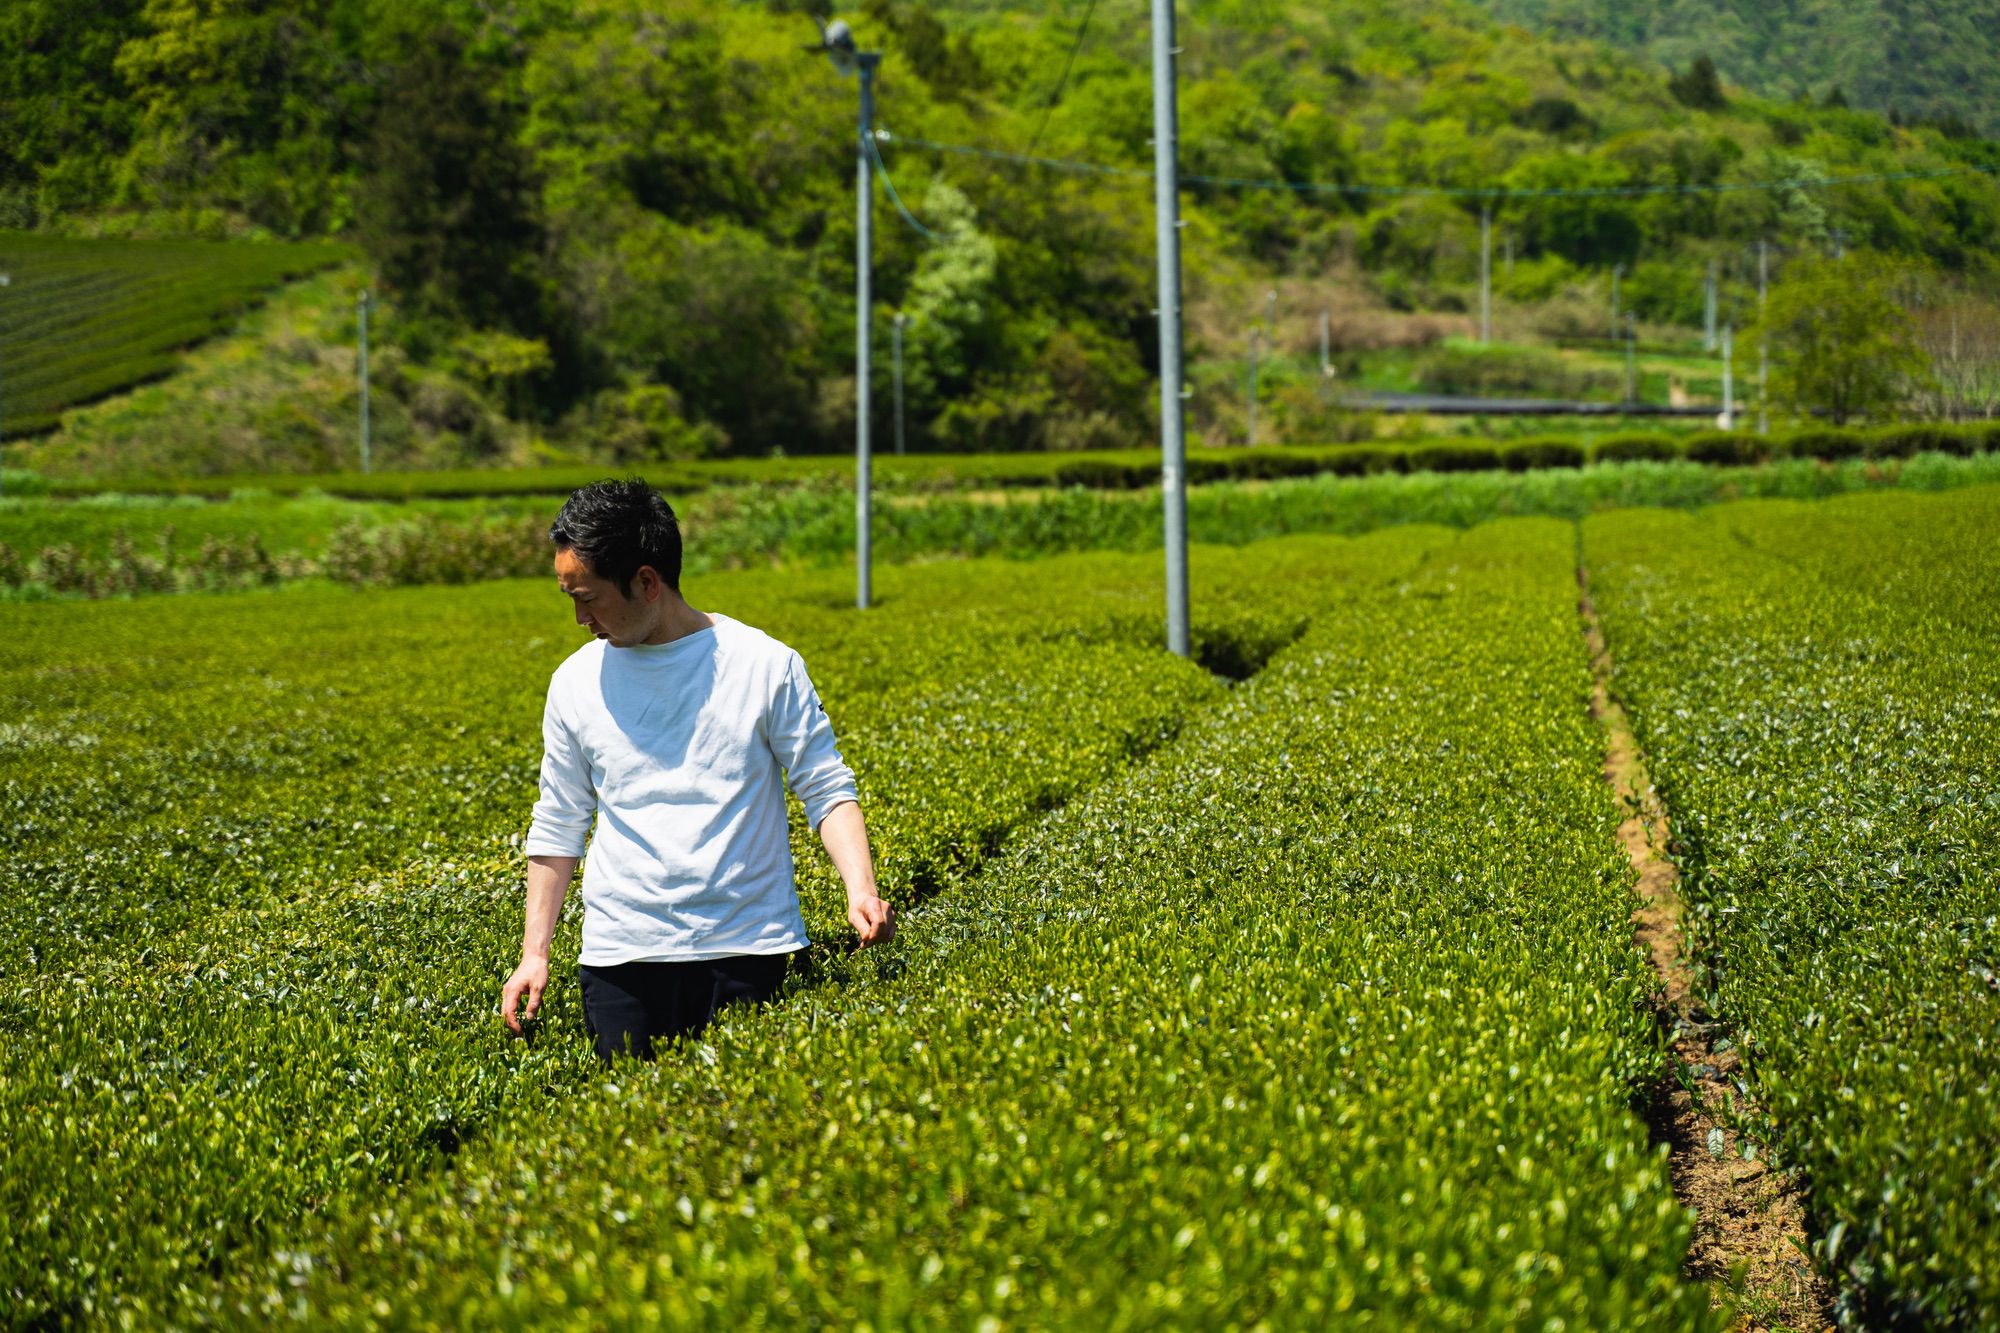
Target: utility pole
(864,217)
(363,304)
(6,280)
(1708,311)
(1631,359)
(1486,274)
(1728,379)
(1509,270)
(1325,343)
(1166,222)
(1763,340)
(1617,272)
(901,319)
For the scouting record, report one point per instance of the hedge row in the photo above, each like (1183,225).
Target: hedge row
(1114,469)
(1328,1012)
(1815,687)
(263,885)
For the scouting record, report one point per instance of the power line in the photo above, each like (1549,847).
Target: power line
(889,187)
(1452,192)
(1083,30)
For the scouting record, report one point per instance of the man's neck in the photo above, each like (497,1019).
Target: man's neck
(678,620)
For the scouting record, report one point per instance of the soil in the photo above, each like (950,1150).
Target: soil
(1750,1240)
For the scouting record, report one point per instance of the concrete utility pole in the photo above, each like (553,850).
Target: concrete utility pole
(901,319)
(1728,379)
(363,304)
(1763,340)
(1166,222)
(864,217)
(1325,343)
(6,280)
(1486,274)
(1708,311)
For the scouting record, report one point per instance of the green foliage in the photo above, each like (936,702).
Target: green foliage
(1699,87)
(1822,442)
(1840,343)
(1629,448)
(1347,1017)
(1726,446)
(1834,815)
(1523,455)
(84,318)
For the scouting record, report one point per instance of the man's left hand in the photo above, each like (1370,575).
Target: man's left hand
(873,920)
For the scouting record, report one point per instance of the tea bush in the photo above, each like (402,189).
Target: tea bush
(1326,1011)
(1815,688)
(263,884)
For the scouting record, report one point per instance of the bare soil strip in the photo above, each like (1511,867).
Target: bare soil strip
(1750,1240)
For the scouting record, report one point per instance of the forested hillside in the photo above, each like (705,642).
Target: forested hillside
(632,224)
(1914,59)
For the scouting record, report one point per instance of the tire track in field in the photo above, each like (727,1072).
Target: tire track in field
(1750,1240)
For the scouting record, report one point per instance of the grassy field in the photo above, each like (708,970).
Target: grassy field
(82,319)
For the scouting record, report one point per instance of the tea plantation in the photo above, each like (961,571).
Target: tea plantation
(84,318)
(1293,990)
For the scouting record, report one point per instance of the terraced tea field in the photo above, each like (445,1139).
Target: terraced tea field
(1300,993)
(84,318)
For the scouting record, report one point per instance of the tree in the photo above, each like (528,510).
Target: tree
(447,198)
(1841,343)
(1700,87)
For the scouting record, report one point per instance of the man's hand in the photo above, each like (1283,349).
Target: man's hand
(530,979)
(873,919)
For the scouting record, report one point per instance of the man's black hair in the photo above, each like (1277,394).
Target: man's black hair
(614,527)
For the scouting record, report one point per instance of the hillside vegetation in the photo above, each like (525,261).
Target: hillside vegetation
(629,227)
(1918,61)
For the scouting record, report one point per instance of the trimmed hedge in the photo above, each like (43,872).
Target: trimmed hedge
(1635,448)
(1527,455)
(1830,443)
(1453,458)
(1726,447)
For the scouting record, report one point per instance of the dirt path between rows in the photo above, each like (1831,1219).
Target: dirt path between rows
(1749,1240)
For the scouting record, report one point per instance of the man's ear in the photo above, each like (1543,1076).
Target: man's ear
(650,583)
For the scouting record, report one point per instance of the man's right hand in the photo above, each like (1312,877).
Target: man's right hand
(530,979)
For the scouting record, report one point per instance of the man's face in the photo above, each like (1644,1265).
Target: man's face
(605,611)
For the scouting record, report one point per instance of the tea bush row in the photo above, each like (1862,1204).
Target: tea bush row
(264,886)
(1327,1012)
(1816,686)
(1127,469)
(86,318)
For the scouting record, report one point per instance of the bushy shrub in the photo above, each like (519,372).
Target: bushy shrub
(1102,474)
(1635,447)
(1726,447)
(1365,460)
(1826,442)
(1905,441)
(1526,455)
(1450,457)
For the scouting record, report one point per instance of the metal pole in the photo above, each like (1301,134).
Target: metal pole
(864,189)
(6,280)
(1166,222)
(1728,379)
(1325,343)
(1256,335)
(1708,311)
(1763,340)
(1631,359)
(362,305)
(1486,275)
(1617,272)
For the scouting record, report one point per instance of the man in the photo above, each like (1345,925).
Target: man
(669,729)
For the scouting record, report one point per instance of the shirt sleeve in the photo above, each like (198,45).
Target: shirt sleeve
(802,738)
(568,801)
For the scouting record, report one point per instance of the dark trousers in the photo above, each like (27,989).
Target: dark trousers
(629,1007)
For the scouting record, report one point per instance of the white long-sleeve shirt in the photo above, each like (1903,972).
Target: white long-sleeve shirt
(676,750)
